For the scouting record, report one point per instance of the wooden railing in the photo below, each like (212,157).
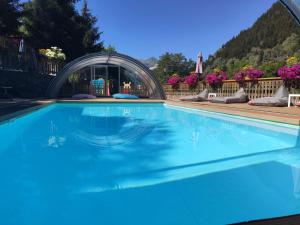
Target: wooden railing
(27,60)
(141,91)
(49,67)
(263,88)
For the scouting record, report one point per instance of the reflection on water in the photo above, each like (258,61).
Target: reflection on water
(296,180)
(102,128)
(99,161)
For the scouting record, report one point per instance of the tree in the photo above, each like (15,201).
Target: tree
(73,80)
(9,17)
(270,68)
(110,49)
(291,44)
(269,39)
(91,34)
(52,23)
(57,23)
(170,63)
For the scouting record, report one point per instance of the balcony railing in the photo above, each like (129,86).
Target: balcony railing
(28,60)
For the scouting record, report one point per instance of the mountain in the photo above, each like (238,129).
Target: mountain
(150,62)
(262,43)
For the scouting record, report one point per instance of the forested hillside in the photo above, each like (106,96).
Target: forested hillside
(273,37)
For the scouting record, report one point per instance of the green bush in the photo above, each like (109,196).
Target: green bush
(270,68)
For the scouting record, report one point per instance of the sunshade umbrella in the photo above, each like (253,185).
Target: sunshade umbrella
(21,46)
(199,69)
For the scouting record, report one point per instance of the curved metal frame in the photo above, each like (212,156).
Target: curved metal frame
(292,8)
(154,87)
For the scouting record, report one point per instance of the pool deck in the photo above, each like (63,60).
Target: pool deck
(290,115)
(278,114)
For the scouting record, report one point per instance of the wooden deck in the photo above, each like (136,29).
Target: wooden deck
(289,115)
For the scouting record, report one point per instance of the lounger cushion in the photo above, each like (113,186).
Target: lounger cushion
(282,92)
(196,98)
(83,96)
(124,96)
(279,99)
(239,97)
(269,101)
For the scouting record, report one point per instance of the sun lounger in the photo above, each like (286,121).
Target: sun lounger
(124,96)
(196,98)
(279,99)
(83,96)
(239,97)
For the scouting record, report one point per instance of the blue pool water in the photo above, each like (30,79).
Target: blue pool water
(145,164)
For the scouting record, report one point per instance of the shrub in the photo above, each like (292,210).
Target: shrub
(53,53)
(174,81)
(191,80)
(215,79)
(254,74)
(290,61)
(248,73)
(290,75)
(270,68)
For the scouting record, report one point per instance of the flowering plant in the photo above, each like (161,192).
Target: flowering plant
(290,61)
(174,81)
(53,53)
(215,79)
(290,75)
(240,76)
(248,73)
(191,80)
(254,74)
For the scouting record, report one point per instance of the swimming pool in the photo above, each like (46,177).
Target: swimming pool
(145,164)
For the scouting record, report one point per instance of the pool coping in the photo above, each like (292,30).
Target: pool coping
(247,118)
(250,116)
(258,116)
(285,220)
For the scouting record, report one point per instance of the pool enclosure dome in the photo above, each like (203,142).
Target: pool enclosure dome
(138,69)
(294,8)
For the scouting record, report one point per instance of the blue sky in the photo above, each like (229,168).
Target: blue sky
(144,28)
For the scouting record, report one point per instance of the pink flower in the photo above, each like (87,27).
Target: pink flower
(251,73)
(191,80)
(222,76)
(215,79)
(174,80)
(211,79)
(254,74)
(239,76)
(289,73)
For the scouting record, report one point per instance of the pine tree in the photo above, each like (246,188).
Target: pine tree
(90,31)
(53,23)
(110,49)
(57,23)
(9,17)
